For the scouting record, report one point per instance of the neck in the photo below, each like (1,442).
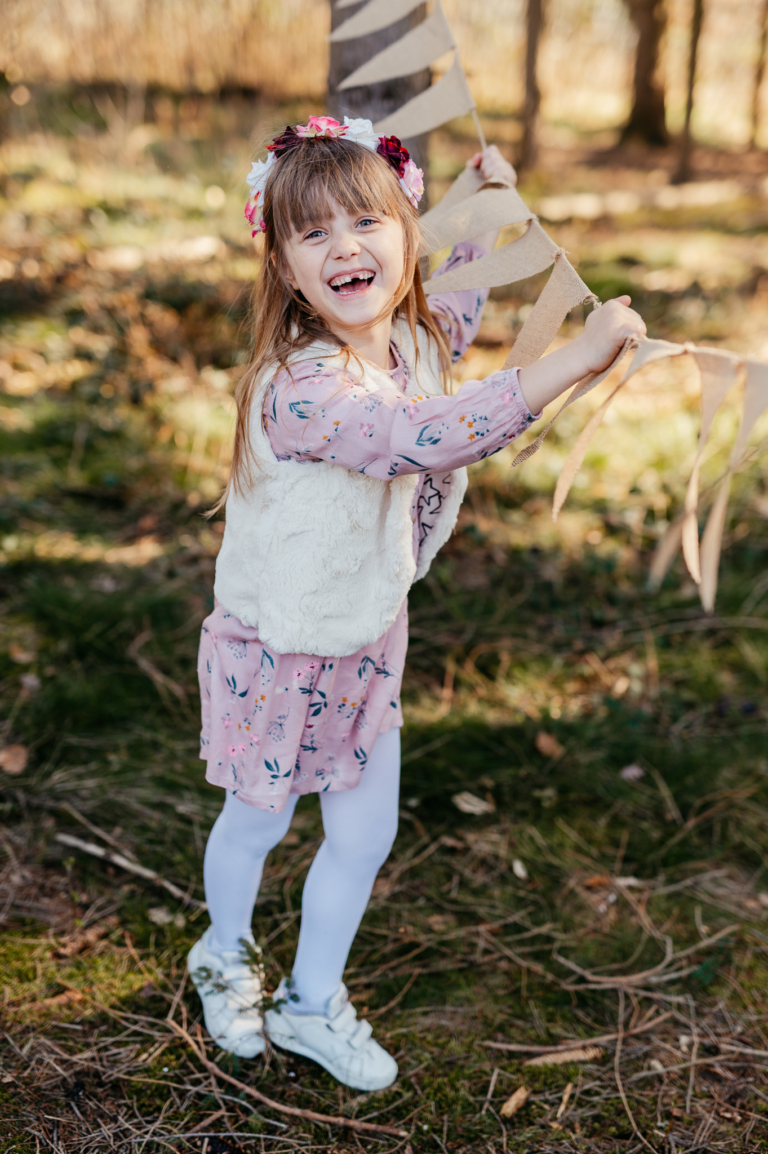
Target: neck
(372,343)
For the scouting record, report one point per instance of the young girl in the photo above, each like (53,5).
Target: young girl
(348,473)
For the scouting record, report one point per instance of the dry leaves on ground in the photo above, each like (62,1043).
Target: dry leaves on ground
(470,803)
(13,759)
(516,1102)
(548,745)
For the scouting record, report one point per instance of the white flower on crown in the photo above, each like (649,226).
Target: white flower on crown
(361,131)
(256,181)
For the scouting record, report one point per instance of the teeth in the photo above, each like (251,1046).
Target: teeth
(346,277)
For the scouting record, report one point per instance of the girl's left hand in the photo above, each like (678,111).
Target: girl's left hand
(605,331)
(493,166)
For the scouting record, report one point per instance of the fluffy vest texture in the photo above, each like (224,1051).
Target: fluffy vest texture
(319,558)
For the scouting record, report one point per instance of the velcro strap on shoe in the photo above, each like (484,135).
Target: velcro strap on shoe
(343,1020)
(361,1035)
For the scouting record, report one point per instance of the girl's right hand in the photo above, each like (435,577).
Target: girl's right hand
(605,331)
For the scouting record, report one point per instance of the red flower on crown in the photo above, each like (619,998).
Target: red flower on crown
(393,151)
(285,141)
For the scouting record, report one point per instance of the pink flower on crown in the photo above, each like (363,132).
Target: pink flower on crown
(321,126)
(412,182)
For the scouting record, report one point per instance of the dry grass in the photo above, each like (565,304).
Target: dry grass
(279,49)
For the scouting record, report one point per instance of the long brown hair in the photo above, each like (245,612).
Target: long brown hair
(301,191)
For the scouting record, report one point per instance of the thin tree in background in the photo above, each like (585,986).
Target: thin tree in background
(375,101)
(684,163)
(647,120)
(534,23)
(759,74)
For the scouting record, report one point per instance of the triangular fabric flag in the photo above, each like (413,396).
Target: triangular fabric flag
(754,405)
(665,552)
(755,402)
(650,350)
(468,182)
(415,50)
(580,389)
(533,252)
(563,291)
(647,352)
(578,453)
(444,101)
(486,211)
(711,544)
(375,15)
(717,371)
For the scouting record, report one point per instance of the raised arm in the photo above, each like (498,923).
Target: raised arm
(323,415)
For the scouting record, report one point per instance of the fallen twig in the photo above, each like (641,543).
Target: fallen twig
(517,1048)
(198,1049)
(127,864)
(617,1072)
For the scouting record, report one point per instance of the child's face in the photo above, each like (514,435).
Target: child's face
(348,267)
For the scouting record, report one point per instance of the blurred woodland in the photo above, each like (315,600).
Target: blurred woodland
(581,875)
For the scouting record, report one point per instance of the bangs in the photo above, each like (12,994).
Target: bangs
(320,173)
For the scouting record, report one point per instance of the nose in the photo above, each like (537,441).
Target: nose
(345,244)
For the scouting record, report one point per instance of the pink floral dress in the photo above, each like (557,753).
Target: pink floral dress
(275,724)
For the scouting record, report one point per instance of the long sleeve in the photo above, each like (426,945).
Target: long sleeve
(459,313)
(324,414)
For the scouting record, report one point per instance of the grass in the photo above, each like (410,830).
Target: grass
(540,669)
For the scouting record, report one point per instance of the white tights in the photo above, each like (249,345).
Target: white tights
(360,826)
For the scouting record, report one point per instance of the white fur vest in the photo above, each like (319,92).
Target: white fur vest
(319,558)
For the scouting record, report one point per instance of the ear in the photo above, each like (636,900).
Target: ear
(287,274)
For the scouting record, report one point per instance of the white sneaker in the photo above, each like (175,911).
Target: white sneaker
(336,1040)
(230,990)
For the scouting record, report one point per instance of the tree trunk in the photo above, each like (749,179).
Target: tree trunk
(759,73)
(684,163)
(647,120)
(534,22)
(375,101)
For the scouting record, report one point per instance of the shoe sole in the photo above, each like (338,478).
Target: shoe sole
(296,1047)
(194,964)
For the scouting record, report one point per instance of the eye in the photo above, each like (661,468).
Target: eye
(366,220)
(314,233)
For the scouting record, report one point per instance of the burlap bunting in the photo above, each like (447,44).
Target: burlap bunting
(416,50)
(375,15)
(486,211)
(533,252)
(469,209)
(445,100)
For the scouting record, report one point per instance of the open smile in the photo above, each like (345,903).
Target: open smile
(354,283)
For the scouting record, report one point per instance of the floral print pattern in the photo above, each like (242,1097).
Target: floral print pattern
(290,723)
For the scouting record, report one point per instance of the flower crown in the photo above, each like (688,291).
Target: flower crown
(361,131)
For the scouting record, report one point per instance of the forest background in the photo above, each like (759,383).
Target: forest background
(580,876)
